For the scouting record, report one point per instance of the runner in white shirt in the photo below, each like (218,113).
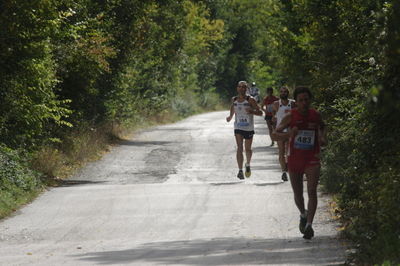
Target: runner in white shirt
(280,109)
(254,92)
(244,108)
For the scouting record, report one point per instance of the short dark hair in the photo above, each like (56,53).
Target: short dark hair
(301,89)
(270,89)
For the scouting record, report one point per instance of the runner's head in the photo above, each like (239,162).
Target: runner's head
(270,91)
(284,93)
(242,88)
(303,97)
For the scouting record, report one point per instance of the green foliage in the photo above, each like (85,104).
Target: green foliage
(164,54)
(263,74)
(29,105)
(367,182)
(67,62)
(14,172)
(17,182)
(184,106)
(209,100)
(82,50)
(348,52)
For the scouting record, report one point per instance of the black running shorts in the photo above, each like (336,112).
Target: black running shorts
(268,118)
(245,134)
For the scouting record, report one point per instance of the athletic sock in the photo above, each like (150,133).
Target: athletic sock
(307,225)
(304,214)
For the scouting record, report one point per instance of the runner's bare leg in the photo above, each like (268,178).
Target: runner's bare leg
(312,174)
(249,152)
(282,155)
(270,129)
(239,150)
(296,180)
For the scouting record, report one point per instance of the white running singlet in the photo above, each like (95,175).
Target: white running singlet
(243,120)
(282,111)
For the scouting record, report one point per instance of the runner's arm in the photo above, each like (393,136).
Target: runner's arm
(263,105)
(231,112)
(255,110)
(278,134)
(275,107)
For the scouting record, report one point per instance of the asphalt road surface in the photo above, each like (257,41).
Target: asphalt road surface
(170,196)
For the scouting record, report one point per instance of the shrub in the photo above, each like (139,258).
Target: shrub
(361,165)
(17,183)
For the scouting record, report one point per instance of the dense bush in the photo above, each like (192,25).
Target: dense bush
(17,181)
(348,52)
(29,103)
(361,166)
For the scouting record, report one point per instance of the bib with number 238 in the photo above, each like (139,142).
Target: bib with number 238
(305,140)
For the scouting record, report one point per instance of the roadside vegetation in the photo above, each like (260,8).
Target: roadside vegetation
(349,53)
(76,76)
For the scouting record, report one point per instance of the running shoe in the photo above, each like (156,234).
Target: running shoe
(240,174)
(302,224)
(248,171)
(284,177)
(308,232)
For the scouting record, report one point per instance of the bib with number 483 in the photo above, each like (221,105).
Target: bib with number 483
(304,140)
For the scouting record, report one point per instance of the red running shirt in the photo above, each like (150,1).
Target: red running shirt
(305,144)
(268,101)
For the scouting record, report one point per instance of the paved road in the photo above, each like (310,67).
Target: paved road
(169,196)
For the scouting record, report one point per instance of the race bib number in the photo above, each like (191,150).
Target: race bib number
(243,121)
(305,140)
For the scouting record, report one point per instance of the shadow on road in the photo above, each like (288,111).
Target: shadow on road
(226,183)
(269,184)
(269,149)
(143,143)
(247,183)
(71,182)
(176,128)
(266,167)
(223,251)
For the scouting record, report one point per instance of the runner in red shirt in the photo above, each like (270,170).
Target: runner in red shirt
(307,133)
(267,107)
